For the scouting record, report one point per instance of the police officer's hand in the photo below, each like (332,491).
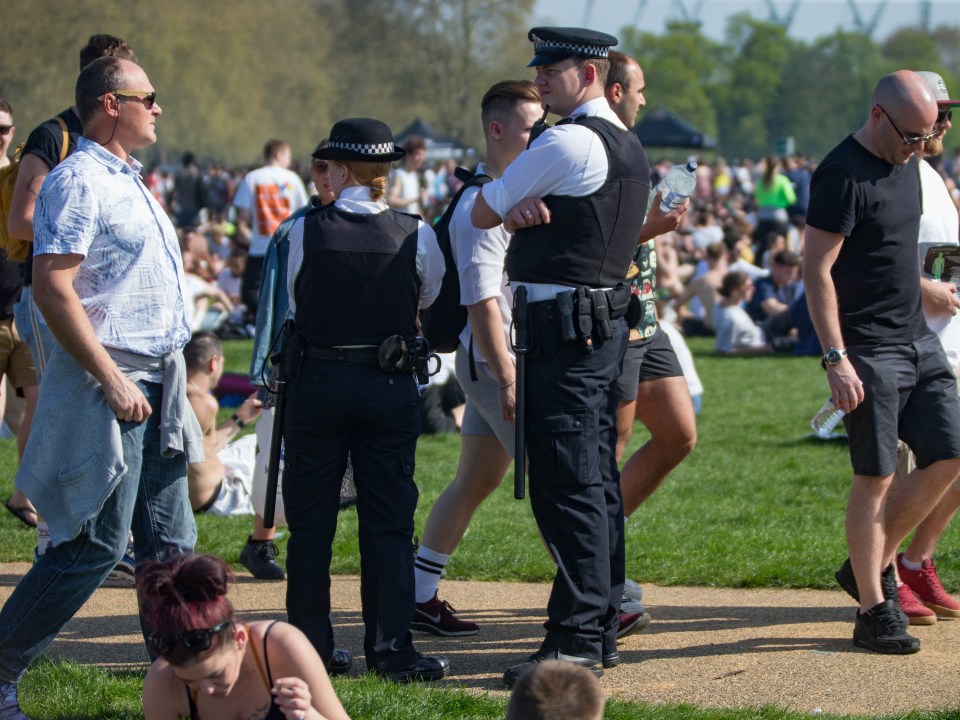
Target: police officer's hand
(659,222)
(126,399)
(939,298)
(527,213)
(250,408)
(845,386)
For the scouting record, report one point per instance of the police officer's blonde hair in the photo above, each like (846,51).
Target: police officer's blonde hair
(369,174)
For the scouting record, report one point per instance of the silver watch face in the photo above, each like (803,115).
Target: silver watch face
(833,356)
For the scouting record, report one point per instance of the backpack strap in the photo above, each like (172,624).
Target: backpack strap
(65,146)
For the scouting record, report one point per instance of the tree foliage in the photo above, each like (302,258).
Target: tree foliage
(232,75)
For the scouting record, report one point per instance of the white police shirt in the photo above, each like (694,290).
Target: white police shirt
(566,160)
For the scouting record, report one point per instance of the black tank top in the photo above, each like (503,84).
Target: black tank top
(274,713)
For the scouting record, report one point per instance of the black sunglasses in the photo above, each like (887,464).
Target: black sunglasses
(943,116)
(197,640)
(147,98)
(907,140)
(4,129)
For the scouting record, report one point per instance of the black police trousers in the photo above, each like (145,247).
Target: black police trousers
(571,409)
(335,408)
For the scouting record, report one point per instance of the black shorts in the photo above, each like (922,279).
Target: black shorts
(910,393)
(652,360)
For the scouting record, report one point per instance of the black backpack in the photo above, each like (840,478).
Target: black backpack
(443,321)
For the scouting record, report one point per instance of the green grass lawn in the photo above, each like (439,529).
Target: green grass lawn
(757,504)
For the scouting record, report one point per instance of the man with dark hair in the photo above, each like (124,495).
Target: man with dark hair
(554,690)
(265,198)
(46,146)
(189,193)
(109,282)
(576,199)
(223,483)
(508,111)
(773,297)
(886,369)
(404,190)
(652,387)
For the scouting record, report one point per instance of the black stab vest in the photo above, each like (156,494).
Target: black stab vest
(358,283)
(589,240)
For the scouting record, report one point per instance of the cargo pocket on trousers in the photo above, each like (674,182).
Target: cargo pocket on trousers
(558,449)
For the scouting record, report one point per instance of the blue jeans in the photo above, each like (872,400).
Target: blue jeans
(151,497)
(33,331)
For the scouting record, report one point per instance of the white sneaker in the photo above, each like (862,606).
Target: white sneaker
(122,576)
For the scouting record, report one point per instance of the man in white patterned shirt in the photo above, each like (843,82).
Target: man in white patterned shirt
(109,280)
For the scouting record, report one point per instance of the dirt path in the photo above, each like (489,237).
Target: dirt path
(706,646)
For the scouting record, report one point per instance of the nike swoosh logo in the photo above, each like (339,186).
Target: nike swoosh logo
(431,618)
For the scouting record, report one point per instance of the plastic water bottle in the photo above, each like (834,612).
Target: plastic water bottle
(677,185)
(826,419)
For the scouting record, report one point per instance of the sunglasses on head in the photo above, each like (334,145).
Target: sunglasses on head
(197,640)
(148,99)
(5,129)
(943,116)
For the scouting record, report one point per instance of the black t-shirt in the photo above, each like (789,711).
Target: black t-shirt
(876,206)
(46,142)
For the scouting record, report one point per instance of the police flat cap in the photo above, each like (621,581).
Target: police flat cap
(553,44)
(363,139)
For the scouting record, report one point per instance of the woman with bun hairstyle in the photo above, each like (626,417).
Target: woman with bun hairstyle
(210,665)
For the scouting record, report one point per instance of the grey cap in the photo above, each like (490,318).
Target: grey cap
(938,87)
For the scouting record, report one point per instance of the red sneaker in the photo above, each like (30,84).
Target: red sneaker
(916,611)
(926,584)
(437,617)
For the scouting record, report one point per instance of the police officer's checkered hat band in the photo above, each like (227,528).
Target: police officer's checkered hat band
(379,149)
(548,46)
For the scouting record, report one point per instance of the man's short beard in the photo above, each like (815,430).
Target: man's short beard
(933,147)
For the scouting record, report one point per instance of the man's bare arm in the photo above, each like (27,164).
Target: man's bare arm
(53,277)
(820,253)
(244,227)
(487,327)
(939,298)
(659,222)
(483,216)
(33,171)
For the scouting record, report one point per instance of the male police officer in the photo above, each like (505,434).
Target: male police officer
(571,252)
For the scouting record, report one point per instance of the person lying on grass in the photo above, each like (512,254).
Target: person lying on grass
(210,665)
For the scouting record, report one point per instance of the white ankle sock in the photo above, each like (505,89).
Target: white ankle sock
(910,565)
(426,569)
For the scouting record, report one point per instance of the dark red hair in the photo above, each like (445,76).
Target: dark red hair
(188,592)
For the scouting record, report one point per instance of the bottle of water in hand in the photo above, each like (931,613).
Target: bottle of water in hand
(677,185)
(826,419)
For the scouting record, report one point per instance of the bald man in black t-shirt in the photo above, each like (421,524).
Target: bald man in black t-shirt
(885,368)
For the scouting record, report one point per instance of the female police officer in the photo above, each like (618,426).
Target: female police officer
(357,273)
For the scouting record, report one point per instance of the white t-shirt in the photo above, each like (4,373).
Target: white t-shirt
(271,194)
(735,329)
(409,188)
(940,225)
(479,255)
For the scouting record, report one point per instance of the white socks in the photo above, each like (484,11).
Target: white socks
(426,570)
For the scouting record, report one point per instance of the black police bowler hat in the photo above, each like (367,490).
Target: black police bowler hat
(363,139)
(553,44)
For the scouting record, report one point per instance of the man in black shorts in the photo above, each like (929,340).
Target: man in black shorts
(885,368)
(652,386)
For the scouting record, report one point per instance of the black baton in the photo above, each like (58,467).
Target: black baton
(276,437)
(520,346)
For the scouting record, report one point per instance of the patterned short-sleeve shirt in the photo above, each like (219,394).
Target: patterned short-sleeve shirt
(131,280)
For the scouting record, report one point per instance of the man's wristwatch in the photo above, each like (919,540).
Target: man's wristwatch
(833,356)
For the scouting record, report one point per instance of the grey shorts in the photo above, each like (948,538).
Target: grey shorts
(909,392)
(482,415)
(655,359)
